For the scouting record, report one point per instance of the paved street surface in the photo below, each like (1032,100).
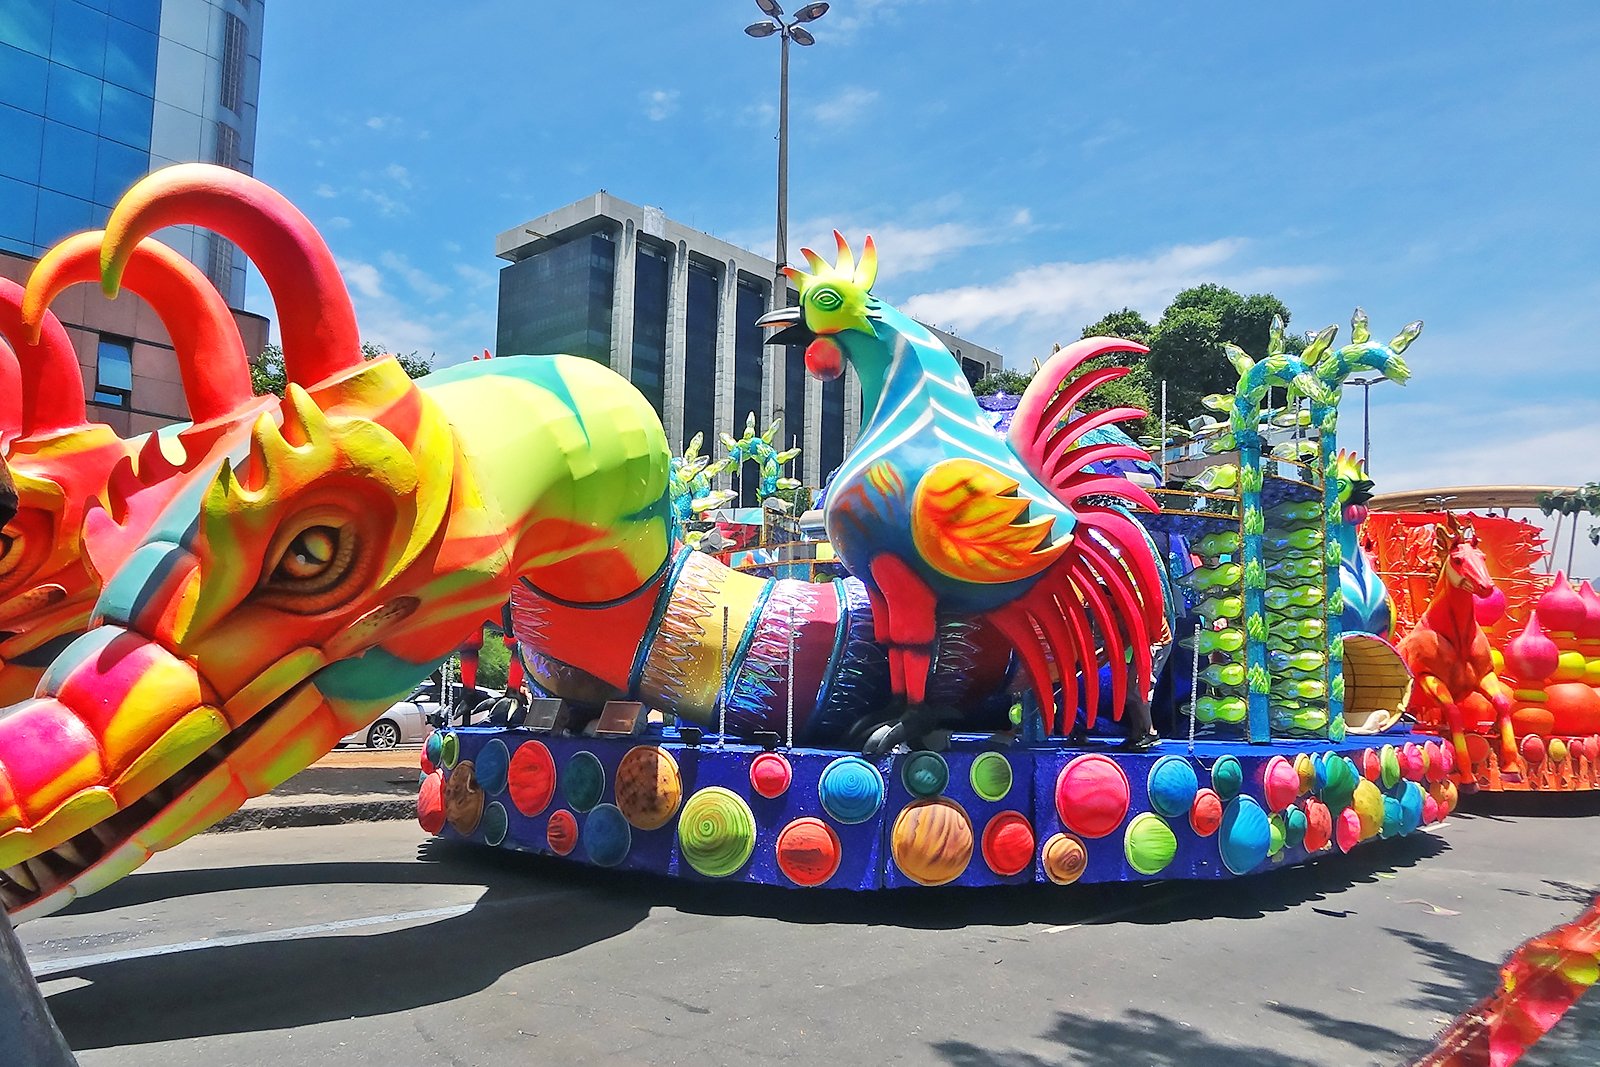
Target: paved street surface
(363,945)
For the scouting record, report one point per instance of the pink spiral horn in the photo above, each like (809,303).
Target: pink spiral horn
(51,384)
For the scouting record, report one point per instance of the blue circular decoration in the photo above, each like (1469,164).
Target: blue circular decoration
(1294,822)
(1245,835)
(1320,769)
(494,824)
(434,748)
(925,774)
(606,837)
(492,766)
(851,789)
(1227,777)
(1393,817)
(1411,803)
(1172,786)
(583,780)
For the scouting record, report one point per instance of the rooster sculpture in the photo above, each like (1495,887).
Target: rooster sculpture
(938,516)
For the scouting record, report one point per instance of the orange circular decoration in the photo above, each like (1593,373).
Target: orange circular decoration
(1446,795)
(808,852)
(430,803)
(562,833)
(648,786)
(1205,814)
(1064,859)
(770,775)
(1280,783)
(1092,795)
(463,798)
(932,841)
(532,778)
(1477,750)
(1574,707)
(1008,843)
(1319,826)
(1532,719)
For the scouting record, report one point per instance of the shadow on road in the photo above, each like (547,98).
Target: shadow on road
(534,908)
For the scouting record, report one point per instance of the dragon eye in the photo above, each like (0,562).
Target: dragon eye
(10,551)
(309,574)
(827,299)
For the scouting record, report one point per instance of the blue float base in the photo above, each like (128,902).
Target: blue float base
(1159,833)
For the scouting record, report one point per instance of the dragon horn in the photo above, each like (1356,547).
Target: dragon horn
(1319,346)
(315,316)
(1360,332)
(1403,339)
(10,395)
(847,259)
(867,270)
(211,357)
(52,383)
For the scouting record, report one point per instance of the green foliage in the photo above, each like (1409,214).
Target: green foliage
(1127,324)
(1260,680)
(1255,627)
(494,661)
(1002,381)
(267,374)
(1187,345)
(1584,499)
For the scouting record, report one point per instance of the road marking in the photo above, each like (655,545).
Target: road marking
(54,968)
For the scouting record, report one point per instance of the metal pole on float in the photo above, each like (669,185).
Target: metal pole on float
(1163,433)
(789,734)
(722,687)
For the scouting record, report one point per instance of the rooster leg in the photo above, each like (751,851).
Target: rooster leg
(909,626)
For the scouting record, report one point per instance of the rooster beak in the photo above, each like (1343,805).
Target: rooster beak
(795,331)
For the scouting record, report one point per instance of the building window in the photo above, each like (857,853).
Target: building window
(559,301)
(114,373)
(700,353)
(794,390)
(749,344)
(232,62)
(652,281)
(226,151)
(973,369)
(832,426)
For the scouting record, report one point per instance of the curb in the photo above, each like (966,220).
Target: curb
(333,813)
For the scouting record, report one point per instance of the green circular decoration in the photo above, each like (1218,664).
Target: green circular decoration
(925,774)
(494,824)
(716,831)
(449,751)
(1277,833)
(583,780)
(991,776)
(1295,823)
(1388,766)
(1149,843)
(1227,777)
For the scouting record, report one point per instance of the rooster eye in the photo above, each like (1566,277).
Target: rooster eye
(827,299)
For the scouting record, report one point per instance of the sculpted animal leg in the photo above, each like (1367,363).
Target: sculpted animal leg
(909,623)
(1499,695)
(1440,694)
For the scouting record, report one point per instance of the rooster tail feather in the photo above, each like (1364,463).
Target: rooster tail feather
(1012,621)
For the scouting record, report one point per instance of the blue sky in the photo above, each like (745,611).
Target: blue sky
(1024,167)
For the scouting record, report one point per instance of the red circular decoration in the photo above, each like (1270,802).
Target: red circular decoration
(1430,809)
(532,777)
(1008,843)
(1319,826)
(562,833)
(770,775)
(808,852)
(1092,795)
(1533,749)
(1347,831)
(427,764)
(1477,750)
(430,803)
(1447,759)
(1371,765)
(1280,783)
(1205,814)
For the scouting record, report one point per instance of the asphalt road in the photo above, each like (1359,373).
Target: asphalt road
(364,945)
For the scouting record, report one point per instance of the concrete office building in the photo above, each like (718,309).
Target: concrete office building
(673,310)
(94,94)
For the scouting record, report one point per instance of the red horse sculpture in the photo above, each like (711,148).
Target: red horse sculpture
(1448,654)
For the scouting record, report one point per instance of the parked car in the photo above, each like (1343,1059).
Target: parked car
(412,719)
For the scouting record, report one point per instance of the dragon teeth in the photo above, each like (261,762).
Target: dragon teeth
(40,869)
(20,875)
(73,854)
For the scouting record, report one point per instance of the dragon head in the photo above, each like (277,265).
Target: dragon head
(835,312)
(1354,486)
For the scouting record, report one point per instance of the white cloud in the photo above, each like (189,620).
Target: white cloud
(399,175)
(908,248)
(458,329)
(387,206)
(659,103)
(845,106)
(475,276)
(338,222)
(326,191)
(362,278)
(419,281)
(844,25)
(378,122)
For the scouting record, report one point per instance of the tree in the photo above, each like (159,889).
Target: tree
(267,374)
(1186,346)
(1133,390)
(1002,381)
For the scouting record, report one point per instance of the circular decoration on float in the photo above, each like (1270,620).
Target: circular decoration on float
(562,832)
(1430,809)
(583,780)
(1367,803)
(606,836)
(1294,827)
(495,823)
(1347,830)
(1477,751)
(1340,784)
(991,776)
(932,841)
(532,777)
(1411,807)
(924,774)
(1008,843)
(1434,759)
(433,748)
(1064,859)
(1533,749)
(648,787)
(1092,795)
(716,832)
(1172,786)
(1244,836)
(1279,783)
(449,751)
(1305,768)
(1227,777)
(1532,719)
(428,765)
(1388,766)
(1446,795)
(493,764)
(1205,814)
(1371,765)
(1319,767)
(1149,843)
(770,775)
(851,790)
(1558,750)
(808,852)
(463,800)
(1319,826)
(1448,757)
(430,803)
(1277,834)
(1391,818)
(1412,767)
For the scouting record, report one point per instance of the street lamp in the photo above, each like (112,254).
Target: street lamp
(1366,414)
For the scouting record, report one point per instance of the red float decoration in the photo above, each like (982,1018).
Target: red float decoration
(770,775)
(1092,795)
(532,777)
(808,852)
(1205,814)
(1280,783)
(1319,826)
(562,833)
(1008,843)
(430,803)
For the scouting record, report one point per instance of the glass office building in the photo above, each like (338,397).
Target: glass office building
(674,311)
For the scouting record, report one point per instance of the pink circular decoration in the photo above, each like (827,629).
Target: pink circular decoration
(1280,783)
(1205,814)
(1435,758)
(1533,749)
(1371,765)
(1531,657)
(1590,629)
(1560,609)
(770,775)
(1092,795)
(1491,608)
(1447,760)
(1430,809)
(1347,830)
(1413,764)
(1319,826)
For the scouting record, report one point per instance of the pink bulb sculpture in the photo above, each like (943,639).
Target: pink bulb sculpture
(1489,608)
(1560,609)
(1531,657)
